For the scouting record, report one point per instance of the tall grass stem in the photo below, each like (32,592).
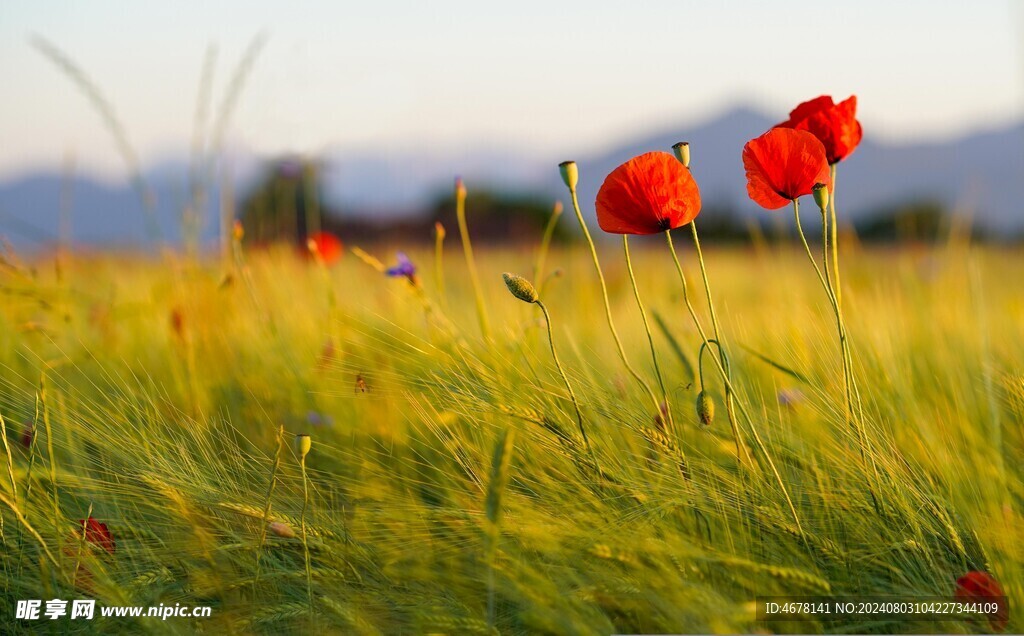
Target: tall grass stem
(607,305)
(568,385)
(669,424)
(730,408)
(467,248)
(728,383)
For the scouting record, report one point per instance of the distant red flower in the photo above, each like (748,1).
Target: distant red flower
(783,165)
(328,246)
(96,533)
(27,434)
(648,194)
(178,322)
(980,587)
(835,125)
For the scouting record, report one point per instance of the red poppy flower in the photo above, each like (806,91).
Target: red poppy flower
(980,587)
(327,245)
(835,125)
(783,165)
(96,533)
(648,194)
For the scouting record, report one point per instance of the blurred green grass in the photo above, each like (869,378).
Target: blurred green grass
(166,381)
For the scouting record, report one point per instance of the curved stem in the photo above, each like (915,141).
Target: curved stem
(700,360)
(730,408)
(729,386)
(848,387)
(568,386)
(607,305)
(810,255)
(650,339)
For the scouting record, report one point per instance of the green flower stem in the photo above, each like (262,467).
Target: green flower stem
(467,247)
(848,388)
(568,386)
(729,386)
(305,544)
(669,424)
(729,406)
(700,361)
(266,502)
(835,237)
(607,305)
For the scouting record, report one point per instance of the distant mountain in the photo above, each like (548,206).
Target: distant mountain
(106,213)
(981,174)
(30,210)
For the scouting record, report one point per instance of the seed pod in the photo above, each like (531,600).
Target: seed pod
(820,192)
(570,174)
(520,288)
(682,152)
(705,408)
(302,445)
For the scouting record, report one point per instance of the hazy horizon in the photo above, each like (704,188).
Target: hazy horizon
(570,79)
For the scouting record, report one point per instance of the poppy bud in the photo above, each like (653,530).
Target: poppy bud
(460,189)
(820,192)
(705,408)
(682,152)
(570,174)
(520,288)
(439,231)
(302,445)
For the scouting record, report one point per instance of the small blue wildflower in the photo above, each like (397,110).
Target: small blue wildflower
(404,268)
(316,419)
(790,397)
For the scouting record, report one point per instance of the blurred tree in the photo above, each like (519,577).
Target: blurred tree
(498,217)
(722,223)
(918,220)
(285,203)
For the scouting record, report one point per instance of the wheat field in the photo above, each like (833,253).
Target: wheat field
(448,487)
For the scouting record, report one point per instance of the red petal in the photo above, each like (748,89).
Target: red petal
(646,195)
(759,187)
(806,109)
(983,586)
(783,164)
(97,534)
(835,125)
(328,246)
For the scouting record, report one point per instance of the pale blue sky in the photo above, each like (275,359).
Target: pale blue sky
(554,77)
